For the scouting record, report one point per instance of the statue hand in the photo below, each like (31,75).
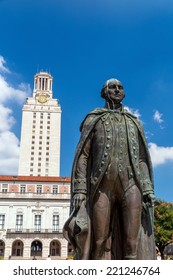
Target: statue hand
(78,199)
(149,199)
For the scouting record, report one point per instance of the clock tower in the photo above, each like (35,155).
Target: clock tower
(40,133)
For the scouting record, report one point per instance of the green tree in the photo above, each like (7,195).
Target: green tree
(163,225)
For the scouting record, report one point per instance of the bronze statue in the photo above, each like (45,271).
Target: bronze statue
(112,185)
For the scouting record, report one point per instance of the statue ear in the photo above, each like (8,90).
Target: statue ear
(104,92)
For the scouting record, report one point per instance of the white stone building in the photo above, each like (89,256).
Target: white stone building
(32,214)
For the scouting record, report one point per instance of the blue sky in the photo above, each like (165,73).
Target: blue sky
(82,44)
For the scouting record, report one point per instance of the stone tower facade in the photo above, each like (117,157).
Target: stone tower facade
(40,132)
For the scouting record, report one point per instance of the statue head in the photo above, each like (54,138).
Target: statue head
(113,91)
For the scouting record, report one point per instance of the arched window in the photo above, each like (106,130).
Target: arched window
(17,248)
(36,248)
(55,248)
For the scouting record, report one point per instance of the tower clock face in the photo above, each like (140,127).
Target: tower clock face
(42,98)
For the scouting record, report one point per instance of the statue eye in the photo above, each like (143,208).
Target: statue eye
(112,86)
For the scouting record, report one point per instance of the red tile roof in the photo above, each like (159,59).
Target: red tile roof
(34,178)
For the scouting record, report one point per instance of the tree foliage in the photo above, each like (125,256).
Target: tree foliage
(163,225)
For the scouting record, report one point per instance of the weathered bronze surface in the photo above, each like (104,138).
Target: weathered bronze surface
(112,185)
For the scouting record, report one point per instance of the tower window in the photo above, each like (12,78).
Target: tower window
(37,222)
(39,189)
(2,221)
(19,222)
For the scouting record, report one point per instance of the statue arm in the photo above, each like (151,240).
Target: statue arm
(148,191)
(80,175)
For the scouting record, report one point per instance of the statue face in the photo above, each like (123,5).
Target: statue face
(115,91)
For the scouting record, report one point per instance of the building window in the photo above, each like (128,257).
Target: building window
(39,158)
(40,137)
(41,122)
(37,223)
(32,147)
(40,148)
(48,122)
(55,189)
(33,136)
(41,127)
(39,153)
(39,164)
(55,222)
(4,188)
(19,222)
(47,148)
(47,153)
(34,121)
(22,189)
(2,221)
(31,164)
(32,153)
(47,143)
(40,142)
(39,189)
(48,127)
(33,142)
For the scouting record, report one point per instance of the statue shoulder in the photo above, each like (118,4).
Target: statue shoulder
(91,118)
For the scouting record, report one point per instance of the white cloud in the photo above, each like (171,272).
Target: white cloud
(9,143)
(133,111)
(6,118)
(8,92)
(9,153)
(158,117)
(2,65)
(160,155)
